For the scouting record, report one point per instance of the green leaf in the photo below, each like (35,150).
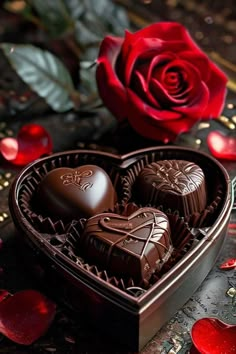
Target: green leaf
(54,15)
(44,73)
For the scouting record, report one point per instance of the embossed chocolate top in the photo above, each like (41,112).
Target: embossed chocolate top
(133,246)
(175,184)
(68,193)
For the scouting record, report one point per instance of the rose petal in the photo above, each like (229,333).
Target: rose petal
(9,148)
(144,119)
(168,31)
(210,335)
(229,264)
(25,316)
(222,146)
(194,108)
(194,91)
(161,115)
(174,38)
(109,50)
(140,86)
(165,99)
(199,60)
(156,124)
(142,45)
(157,61)
(111,89)
(33,142)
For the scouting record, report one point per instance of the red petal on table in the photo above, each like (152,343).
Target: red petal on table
(212,336)
(229,264)
(25,316)
(32,142)
(9,148)
(222,146)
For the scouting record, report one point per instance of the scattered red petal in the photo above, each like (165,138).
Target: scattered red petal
(1,243)
(25,316)
(210,335)
(9,148)
(229,264)
(232,226)
(232,229)
(32,142)
(222,146)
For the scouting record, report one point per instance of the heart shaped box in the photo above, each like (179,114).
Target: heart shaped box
(129,314)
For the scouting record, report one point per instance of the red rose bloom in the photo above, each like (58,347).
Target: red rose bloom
(160,80)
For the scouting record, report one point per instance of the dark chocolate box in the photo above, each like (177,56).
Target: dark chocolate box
(131,310)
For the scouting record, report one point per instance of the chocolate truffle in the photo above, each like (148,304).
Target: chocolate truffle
(173,184)
(130,247)
(68,193)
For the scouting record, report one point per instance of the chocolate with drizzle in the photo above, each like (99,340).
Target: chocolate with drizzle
(174,184)
(130,247)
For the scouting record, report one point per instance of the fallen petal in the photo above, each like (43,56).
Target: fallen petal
(229,264)
(32,142)
(210,335)
(222,146)
(9,148)
(25,316)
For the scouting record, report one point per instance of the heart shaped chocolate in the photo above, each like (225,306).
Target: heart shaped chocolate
(68,193)
(134,246)
(210,335)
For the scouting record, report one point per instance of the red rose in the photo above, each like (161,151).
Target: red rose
(160,80)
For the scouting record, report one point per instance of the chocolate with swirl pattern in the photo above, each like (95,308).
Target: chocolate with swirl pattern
(174,184)
(130,247)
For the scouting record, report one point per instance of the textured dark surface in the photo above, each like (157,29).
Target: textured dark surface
(213,24)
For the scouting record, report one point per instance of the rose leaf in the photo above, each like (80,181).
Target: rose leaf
(54,15)
(44,73)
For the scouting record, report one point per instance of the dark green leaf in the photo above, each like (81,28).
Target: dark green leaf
(94,20)
(54,15)
(44,73)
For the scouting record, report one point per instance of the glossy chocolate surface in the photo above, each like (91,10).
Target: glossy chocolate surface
(175,184)
(68,193)
(133,246)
